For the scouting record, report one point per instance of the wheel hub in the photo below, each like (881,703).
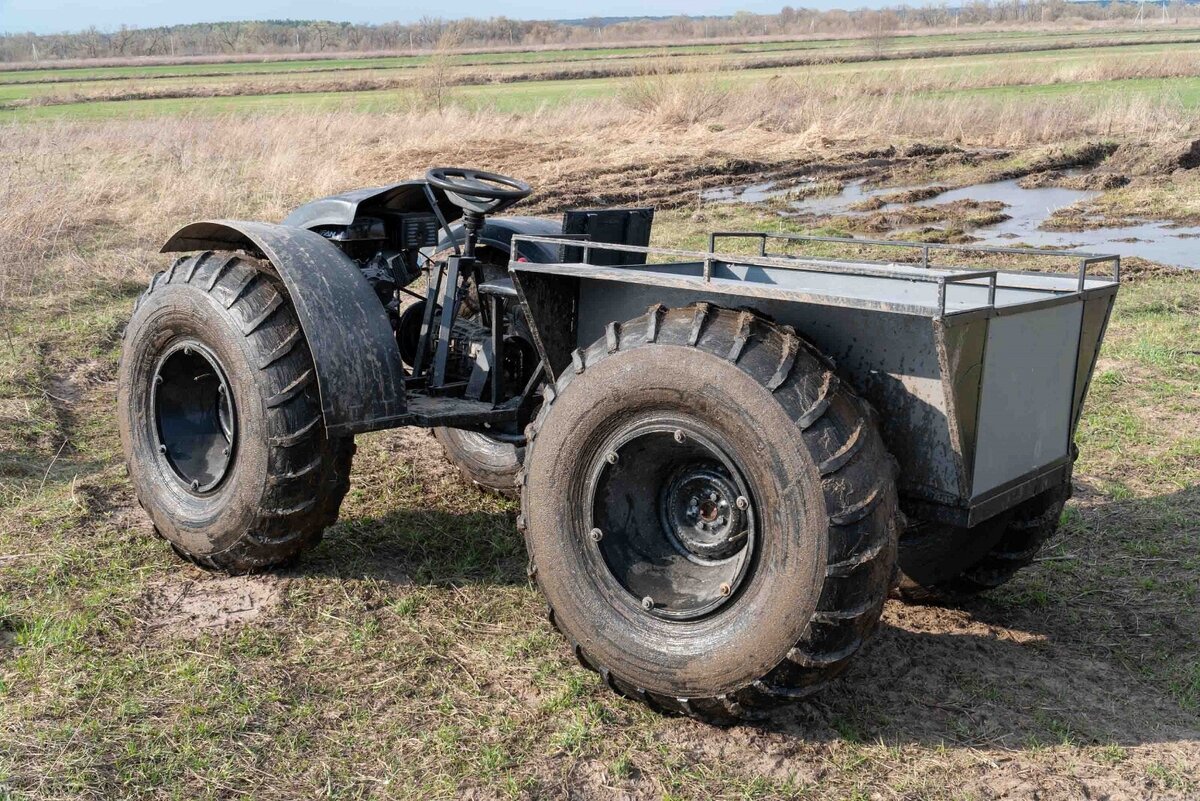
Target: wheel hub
(700,508)
(673,523)
(194,417)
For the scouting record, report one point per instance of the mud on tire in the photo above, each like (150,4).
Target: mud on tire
(284,479)
(940,563)
(823,511)
(486,462)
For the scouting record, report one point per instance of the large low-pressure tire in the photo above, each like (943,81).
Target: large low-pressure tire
(483,460)
(710,513)
(940,563)
(220,419)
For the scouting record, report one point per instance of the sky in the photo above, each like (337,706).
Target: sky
(56,16)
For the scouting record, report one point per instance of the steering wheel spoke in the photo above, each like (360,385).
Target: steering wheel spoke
(477,190)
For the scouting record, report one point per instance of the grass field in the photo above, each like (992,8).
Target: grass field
(524,81)
(900,44)
(407,656)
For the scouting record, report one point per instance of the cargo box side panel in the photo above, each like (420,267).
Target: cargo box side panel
(890,359)
(1027,392)
(1096,313)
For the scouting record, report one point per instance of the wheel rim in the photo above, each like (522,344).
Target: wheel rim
(672,518)
(193,416)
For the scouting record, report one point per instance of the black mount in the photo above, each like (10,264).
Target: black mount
(478,194)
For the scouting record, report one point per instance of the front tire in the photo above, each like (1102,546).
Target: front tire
(743,415)
(220,420)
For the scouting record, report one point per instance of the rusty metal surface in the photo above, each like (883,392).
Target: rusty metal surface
(359,373)
(961,351)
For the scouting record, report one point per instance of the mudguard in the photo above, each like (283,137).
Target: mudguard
(498,233)
(359,373)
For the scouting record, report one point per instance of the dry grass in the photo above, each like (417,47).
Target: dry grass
(79,200)
(433,78)
(1122,28)
(657,91)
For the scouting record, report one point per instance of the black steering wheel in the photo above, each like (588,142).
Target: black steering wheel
(476,190)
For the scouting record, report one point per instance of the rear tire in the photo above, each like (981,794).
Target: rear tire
(940,563)
(282,479)
(485,462)
(756,407)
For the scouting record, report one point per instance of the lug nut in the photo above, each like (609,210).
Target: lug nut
(162,448)
(195,485)
(596,535)
(742,502)
(647,603)
(679,436)
(611,457)
(725,589)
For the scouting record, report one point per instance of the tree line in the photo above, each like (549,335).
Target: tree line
(280,37)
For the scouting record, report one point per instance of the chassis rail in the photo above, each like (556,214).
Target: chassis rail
(942,277)
(1085,260)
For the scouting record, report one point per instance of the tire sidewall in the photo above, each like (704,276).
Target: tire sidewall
(485,459)
(209,523)
(741,641)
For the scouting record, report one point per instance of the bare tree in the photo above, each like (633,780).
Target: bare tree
(92,42)
(880,28)
(323,32)
(429,31)
(436,77)
(123,39)
(228,35)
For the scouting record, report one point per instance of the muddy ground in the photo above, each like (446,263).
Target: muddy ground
(686,182)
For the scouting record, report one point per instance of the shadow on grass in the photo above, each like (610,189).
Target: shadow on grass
(1086,647)
(423,547)
(1088,663)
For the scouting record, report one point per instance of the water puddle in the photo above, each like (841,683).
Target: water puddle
(1027,210)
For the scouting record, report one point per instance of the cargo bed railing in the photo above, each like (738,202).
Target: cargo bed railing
(1084,260)
(941,276)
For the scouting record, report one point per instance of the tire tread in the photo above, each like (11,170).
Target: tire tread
(859,487)
(309,473)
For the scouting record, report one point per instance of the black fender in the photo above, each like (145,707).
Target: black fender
(498,232)
(359,373)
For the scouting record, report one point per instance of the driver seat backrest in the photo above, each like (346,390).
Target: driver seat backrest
(609,226)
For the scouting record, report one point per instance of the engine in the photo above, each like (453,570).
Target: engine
(386,248)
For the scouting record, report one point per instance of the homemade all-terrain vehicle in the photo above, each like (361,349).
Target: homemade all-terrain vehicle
(726,462)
